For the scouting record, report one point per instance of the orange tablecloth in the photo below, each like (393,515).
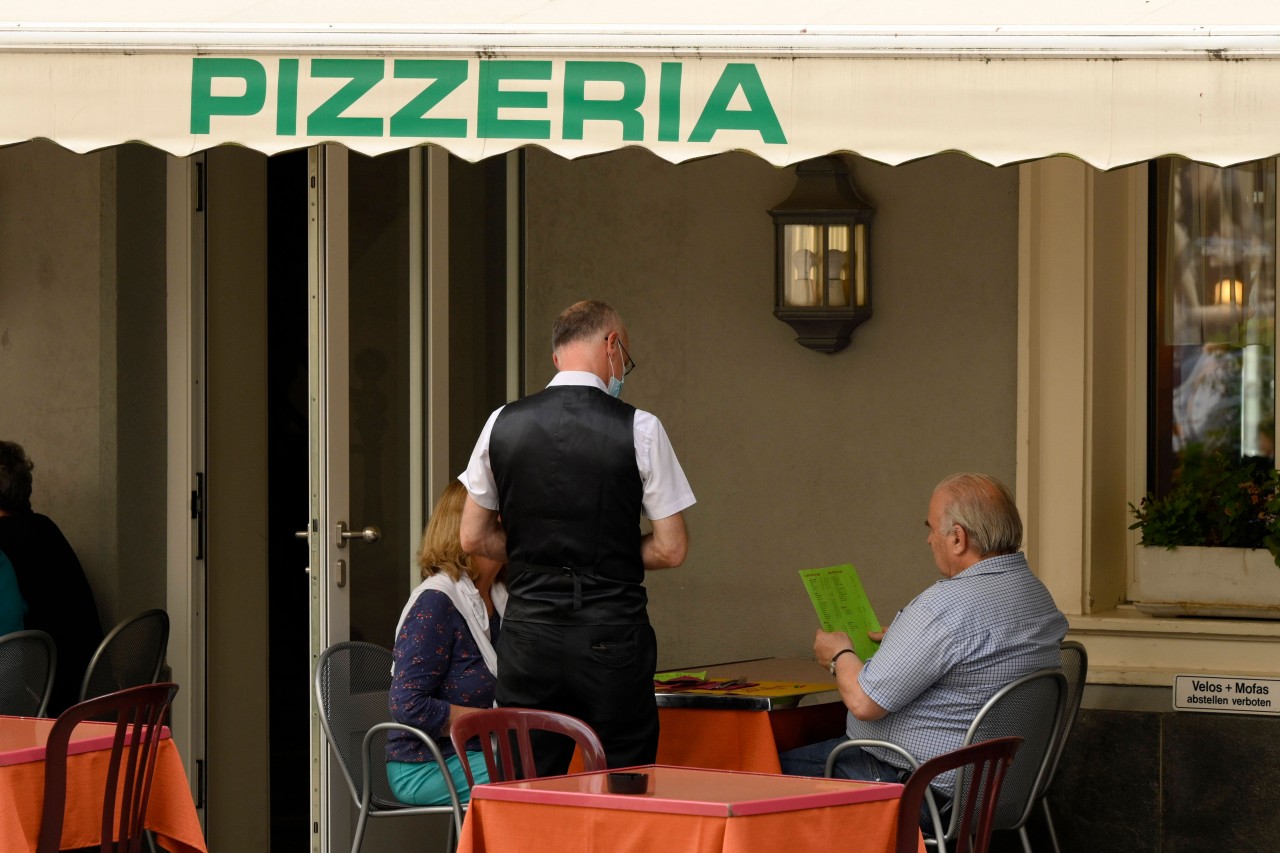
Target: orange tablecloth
(171,814)
(739,740)
(501,825)
(493,826)
(742,740)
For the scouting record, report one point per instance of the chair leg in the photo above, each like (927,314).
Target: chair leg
(1026,839)
(455,830)
(1048,821)
(360,823)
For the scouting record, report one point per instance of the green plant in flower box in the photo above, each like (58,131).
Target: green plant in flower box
(1215,502)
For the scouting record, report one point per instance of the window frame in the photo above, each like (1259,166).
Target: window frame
(1081,456)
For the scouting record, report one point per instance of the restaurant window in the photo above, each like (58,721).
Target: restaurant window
(1212,326)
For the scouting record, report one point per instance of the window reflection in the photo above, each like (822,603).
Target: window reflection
(1214,335)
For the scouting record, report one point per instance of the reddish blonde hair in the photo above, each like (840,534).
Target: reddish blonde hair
(441,549)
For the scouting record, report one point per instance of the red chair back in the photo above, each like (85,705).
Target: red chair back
(139,715)
(501,725)
(988,762)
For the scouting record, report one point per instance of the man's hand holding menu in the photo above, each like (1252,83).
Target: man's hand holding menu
(850,632)
(842,606)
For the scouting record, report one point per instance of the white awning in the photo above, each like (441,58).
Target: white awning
(1111,83)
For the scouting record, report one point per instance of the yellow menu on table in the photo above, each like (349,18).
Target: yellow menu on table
(842,605)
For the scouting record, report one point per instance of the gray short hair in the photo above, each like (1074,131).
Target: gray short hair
(985,508)
(582,320)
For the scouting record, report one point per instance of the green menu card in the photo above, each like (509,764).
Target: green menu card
(842,605)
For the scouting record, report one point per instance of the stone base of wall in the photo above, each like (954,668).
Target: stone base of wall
(1162,782)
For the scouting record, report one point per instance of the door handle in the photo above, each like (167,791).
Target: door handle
(305,534)
(370,534)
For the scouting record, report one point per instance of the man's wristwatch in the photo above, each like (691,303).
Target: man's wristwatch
(836,657)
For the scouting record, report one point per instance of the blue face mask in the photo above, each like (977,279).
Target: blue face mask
(615,384)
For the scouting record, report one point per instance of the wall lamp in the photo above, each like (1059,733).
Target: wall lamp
(822,232)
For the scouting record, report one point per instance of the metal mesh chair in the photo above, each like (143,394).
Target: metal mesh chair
(139,713)
(130,655)
(1075,666)
(1031,708)
(499,728)
(28,660)
(352,684)
(984,766)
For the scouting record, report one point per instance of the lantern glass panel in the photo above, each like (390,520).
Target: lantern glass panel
(860,263)
(838,266)
(800,264)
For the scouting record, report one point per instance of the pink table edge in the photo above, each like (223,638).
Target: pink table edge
(848,793)
(80,742)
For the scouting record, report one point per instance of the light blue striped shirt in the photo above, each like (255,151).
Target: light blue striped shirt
(948,651)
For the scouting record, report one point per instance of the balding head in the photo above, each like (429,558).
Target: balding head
(582,321)
(589,336)
(985,508)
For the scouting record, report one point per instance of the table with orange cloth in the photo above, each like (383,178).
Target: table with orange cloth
(746,729)
(171,814)
(693,810)
(743,739)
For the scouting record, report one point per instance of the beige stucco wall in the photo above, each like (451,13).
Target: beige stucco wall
(51,313)
(54,302)
(82,355)
(798,459)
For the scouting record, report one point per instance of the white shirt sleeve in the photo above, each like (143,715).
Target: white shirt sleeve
(478,477)
(666,489)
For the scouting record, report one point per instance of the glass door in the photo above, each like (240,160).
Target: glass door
(410,344)
(365,412)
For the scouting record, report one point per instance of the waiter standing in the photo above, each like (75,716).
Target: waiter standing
(557,484)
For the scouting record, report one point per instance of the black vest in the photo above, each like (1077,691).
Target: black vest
(570,495)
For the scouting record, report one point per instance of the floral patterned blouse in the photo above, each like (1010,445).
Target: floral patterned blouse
(437,664)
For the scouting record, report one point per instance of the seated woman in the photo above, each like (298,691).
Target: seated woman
(445,665)
(56,596)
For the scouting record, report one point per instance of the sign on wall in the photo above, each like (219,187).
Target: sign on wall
(1227,694)
(784,106)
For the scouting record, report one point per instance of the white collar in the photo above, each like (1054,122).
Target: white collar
(576,377)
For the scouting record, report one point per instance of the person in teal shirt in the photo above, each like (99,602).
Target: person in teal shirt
(12,607)
(55,591)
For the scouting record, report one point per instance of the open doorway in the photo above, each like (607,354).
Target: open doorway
(263,436)
(287,471)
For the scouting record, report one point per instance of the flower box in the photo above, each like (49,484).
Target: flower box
(1195,581)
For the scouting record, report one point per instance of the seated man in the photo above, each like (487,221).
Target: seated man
(52,584)
(988,622)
